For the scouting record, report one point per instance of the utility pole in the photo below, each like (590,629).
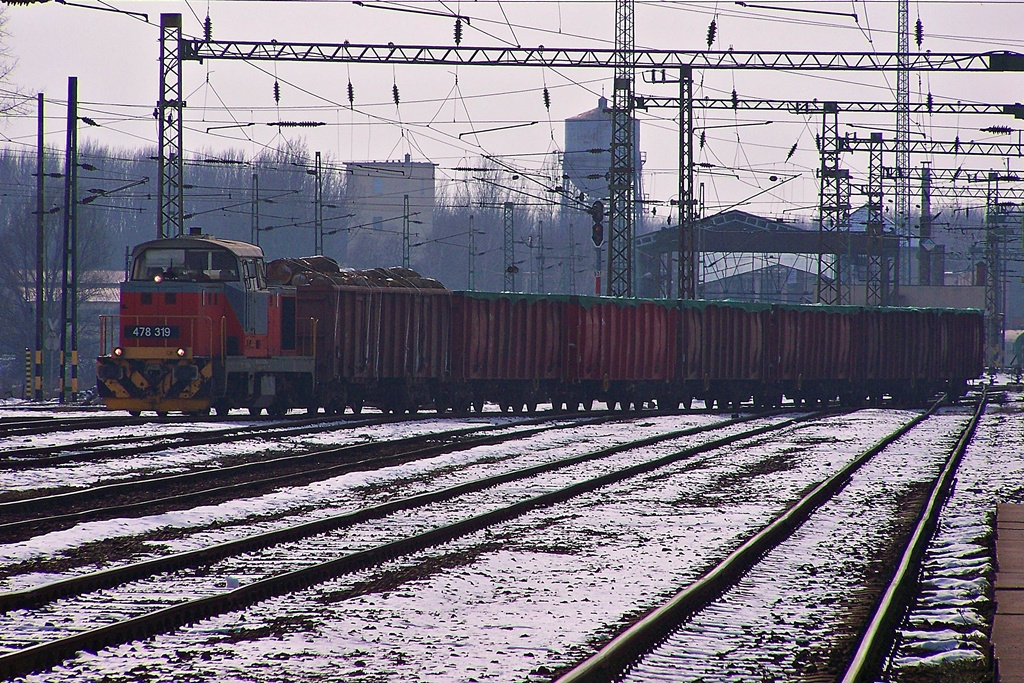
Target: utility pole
(69,289)
(541,289)
(318,208)
(405,233)
(472,256)
(902,139)
(689,258)
(572,260)
(509,249)
(256,209)
(994,333)
(40,252)
(924,249)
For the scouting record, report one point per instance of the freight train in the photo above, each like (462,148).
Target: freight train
(206,323)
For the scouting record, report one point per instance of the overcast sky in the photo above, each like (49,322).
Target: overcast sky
(115,58)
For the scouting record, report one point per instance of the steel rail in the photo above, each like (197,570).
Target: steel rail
(45,655)
(615,658)
(40,595)
(96,450)
(877,638)
(28,505)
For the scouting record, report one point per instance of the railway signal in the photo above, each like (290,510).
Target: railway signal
(597,213)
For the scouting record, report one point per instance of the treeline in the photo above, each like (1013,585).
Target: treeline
(117,209)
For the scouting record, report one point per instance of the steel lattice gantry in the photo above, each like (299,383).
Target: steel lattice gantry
(624,58)
(878,292)
(834,207)
(169,112)
(834,188)
(621,179)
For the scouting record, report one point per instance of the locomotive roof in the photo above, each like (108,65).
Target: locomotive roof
(236,247)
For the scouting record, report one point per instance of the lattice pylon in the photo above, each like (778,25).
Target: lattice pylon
(833,209)
(171,198)
(689,256)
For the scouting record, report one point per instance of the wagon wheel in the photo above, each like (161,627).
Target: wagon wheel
(478,405)
(161,413)
(254,411)
(357,406)
(531,406)
(135,413)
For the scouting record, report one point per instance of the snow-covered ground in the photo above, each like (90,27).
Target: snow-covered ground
(517,602)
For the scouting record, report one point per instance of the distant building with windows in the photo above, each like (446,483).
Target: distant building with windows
(375,197)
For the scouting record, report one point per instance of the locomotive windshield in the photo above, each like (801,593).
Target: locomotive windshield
(189,265)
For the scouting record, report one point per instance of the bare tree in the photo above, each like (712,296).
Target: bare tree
(11,98)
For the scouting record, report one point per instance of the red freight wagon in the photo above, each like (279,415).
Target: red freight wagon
(384,345)
(505,348)
(725,343)
(620,350)
(808,352)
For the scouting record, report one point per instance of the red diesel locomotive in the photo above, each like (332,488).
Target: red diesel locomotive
(205,323)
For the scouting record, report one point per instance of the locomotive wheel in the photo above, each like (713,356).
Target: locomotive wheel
(135,413)
(221,407)
(161,413)
(254,411)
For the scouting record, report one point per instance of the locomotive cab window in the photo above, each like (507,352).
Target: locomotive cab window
(186,265)
(253,273)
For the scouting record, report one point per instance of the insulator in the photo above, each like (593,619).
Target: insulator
(547,99)
(208,29)
(792,151)
(458,30)
(998,130)
(817,142)
(712,30)
(277,92)
(929,103)
(735,99)
(919,32)
(703,138)
(394,93)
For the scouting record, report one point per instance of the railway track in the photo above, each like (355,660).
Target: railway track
(267,572)
(145,495)
(735,621)
(18,458)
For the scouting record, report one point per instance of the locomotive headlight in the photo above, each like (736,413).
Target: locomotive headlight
(181,353)
(118,351)
(158,278)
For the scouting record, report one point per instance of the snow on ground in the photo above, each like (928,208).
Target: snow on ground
(516,602)
(513,602)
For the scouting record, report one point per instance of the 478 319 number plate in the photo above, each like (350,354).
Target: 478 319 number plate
(152,331)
